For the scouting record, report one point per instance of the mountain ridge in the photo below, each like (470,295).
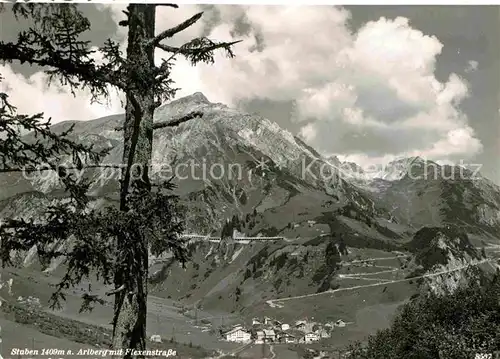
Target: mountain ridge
(270,195)
(225,137)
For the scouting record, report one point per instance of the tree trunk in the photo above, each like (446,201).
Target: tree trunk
(129,330)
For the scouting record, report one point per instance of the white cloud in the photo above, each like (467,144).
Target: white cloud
(456,142)
(33,95)
(308,132)
(294,59)
(472,66)
(330,98)
(380,78)
(379,81)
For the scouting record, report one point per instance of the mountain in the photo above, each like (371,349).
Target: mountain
(424,193)
(241,172)
(226,163)
(420,192)
(448,249)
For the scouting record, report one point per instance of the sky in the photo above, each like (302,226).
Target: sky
(365,83)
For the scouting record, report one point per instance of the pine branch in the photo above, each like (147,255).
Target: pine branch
(173,122)
(85,71)
(199,49)
(193,51)
(176,121)
(116,291)
(164,69)
(175,6)
(174,30)
(54,40)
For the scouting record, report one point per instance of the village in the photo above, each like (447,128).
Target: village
(273,331)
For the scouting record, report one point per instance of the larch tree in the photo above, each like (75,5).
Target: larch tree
(111,243)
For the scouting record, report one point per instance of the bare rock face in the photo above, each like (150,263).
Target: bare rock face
(423,193)
(448,250)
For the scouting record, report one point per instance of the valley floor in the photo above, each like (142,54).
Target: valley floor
(164,316)
(367,307)
(18,336)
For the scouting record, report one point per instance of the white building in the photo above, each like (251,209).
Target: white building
(289,339)
(155,338)
(305,326)
(285,326)
(256,321)
(238,335)
(311,337)
(259,337)
(269,335)
(340,323)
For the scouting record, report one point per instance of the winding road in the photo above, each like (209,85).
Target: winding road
(276,302)
(271,349)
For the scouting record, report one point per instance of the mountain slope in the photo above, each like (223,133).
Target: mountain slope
(424,193)
(243,167)
(226,163)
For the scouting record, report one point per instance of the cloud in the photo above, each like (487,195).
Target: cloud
(472,66)
(308,132)
(372,93)
(33,95)
(379,81)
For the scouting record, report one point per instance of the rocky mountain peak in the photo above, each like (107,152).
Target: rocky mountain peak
(197,97)
(407,160)
(181,106)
